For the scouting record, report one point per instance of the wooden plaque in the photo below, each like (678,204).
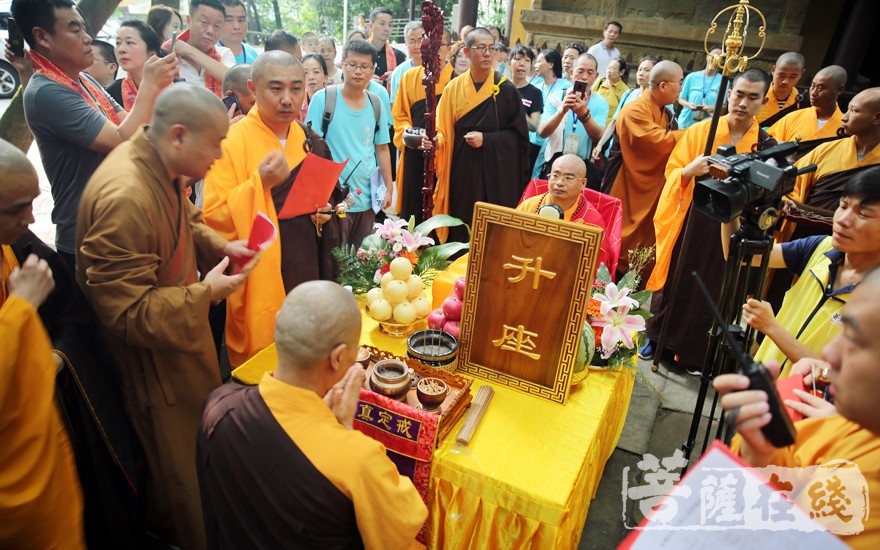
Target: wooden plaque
(528,286)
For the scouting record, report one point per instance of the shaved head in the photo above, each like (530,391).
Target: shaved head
(665,70)
(236,78)
(315,317)
(19,187)
(187,104)
(275,58)
(835,74)
(791,58)
(571,163)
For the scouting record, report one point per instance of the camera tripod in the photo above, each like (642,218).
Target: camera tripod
(752,240)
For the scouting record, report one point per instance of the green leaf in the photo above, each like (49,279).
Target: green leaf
(641,296)
(372,241)
(440,220)
(443,251)
(627,281)
(603,274)
(412,223)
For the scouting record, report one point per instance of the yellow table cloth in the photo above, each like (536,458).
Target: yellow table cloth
(531,469)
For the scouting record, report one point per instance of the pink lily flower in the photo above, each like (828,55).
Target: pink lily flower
(618,326)
(614,298)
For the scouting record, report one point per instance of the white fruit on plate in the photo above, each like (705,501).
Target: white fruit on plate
(415,285)
(404,313)
(380,310)
(374,294)
(423,307)
(387,278)
(396,291)
(401,268)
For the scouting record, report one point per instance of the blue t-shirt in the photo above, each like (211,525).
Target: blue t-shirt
(699,89)
(248,54)
(397,76)
(352,135)
(558,84)
(380,91)
(598,107)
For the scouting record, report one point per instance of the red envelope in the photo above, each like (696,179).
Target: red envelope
(313,186)
(263,232)
(786,388)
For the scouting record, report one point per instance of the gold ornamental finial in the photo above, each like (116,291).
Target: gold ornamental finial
(732,60)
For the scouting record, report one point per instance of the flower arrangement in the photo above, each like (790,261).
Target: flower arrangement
(617,318)
(362,267)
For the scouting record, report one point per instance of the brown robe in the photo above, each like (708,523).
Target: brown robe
(140,246)
(645,136)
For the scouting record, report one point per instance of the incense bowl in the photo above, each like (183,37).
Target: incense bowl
(391,378)
(434,348)
(431,392)
(412,137)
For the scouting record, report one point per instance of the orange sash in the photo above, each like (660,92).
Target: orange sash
(92,93)
(8,262)
(129,92)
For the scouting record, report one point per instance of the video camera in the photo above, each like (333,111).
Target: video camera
(746,184)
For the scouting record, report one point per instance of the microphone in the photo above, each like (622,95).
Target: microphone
(551,211)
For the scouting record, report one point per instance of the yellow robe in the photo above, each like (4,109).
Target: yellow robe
(830,158)
(675,200)
(822,440)
(803,125)
(234,194)
(772,106)
(41,502)
(411,91)
(645,143)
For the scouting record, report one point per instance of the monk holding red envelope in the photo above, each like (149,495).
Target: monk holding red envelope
(272,164)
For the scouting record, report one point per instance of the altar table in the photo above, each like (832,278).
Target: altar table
(527,478)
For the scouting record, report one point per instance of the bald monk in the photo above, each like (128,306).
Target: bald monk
(250,178)
(42,503)
(644,137)
(819,122)
(782,97)
(335,487)
(566,183)
(818,193)
(140,248)
(235,82)
(686,166)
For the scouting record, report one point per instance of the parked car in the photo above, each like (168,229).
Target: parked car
(9,80)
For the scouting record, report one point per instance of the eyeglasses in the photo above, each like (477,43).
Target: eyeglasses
(355,67)
(481,49)
(567,179)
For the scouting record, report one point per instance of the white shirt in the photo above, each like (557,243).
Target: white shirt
(603,56)
(194,75)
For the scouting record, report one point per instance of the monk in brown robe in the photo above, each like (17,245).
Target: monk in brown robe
(140,247)
(644,137)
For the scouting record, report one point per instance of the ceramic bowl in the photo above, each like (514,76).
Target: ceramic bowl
(431,392)
(391,378)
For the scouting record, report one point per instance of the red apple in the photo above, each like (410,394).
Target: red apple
(452,308)
(458,287)
(452,327)
(436,319)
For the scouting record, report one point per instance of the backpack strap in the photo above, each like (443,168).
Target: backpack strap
(329,107)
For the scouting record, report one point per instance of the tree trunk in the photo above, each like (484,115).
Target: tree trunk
(254,16)
(96,12)
(170,3)
(277,9)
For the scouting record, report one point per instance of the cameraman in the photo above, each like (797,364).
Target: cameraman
(852,435)
(829,268)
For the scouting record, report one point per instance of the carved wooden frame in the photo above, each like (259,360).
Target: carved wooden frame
(489,291)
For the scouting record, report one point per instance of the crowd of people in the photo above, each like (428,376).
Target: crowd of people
(157,177)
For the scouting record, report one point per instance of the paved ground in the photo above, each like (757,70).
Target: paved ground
(658,422)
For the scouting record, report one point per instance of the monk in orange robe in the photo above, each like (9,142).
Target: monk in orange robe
(819,122)
(644,137)
(782,97)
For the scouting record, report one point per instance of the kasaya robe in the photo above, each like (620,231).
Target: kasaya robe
(803,126)
(498,171)
(644,137)
(688,315)
(234,194)
(771,108)
(140,246)
(408,111)
(837,162)
(40,498)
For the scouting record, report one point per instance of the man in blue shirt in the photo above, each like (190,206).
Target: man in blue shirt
(235,32)
(354,133)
